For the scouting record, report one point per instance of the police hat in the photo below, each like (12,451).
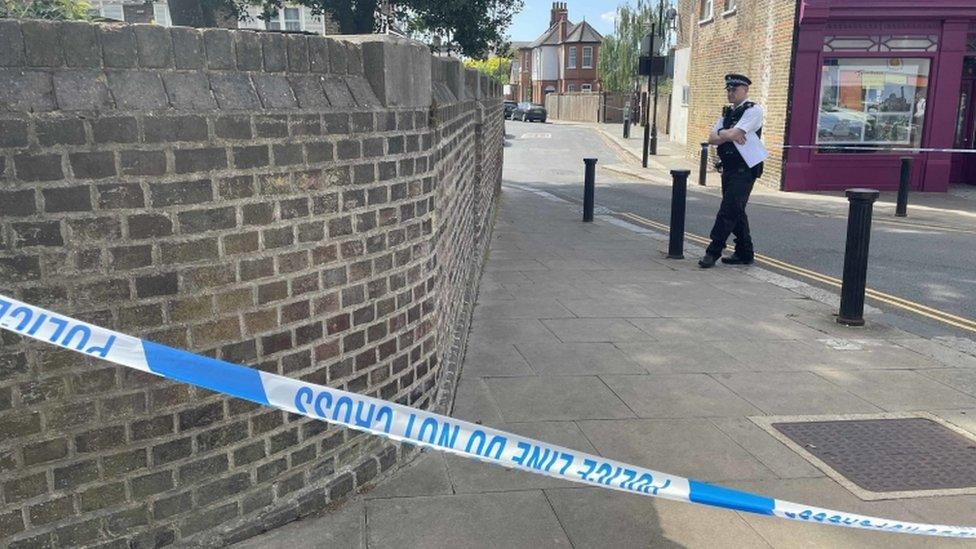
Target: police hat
(732,80)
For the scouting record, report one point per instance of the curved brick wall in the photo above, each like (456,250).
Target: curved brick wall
(313,207)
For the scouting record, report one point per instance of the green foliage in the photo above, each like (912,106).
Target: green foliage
(498,68)
(620,51)
(44,9)
(471,27)
(474,27)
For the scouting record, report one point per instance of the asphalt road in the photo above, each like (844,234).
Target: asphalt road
(934,267)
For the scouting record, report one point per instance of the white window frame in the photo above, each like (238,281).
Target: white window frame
(571,57)
(707,17)
(282,23)
(98,7)
(586,88)
(588,50)
(161,15)
(730,7)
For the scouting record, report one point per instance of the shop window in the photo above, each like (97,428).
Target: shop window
(571,63)
(588,57)
(705,13)
(971,43)
(881,43)
(872,104)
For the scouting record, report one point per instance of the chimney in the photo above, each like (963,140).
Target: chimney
(558,13)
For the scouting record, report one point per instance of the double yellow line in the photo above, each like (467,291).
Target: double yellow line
(894,301)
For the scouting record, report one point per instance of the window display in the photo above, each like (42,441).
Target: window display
(873,102)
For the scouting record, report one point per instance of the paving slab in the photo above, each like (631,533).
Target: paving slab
(694,448)
(508,519)
(678,396)
(473,402)
(938,352)
(595,330)
(513,330)
(554,398)
(628,520)
(772,453)
(829,494)
(426,475)
(577,359)
(483,359)
(523,308)
(960,379)
(671,357)
(965,419)
(794,393)
(899,390)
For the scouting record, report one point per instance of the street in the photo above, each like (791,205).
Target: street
(923,264)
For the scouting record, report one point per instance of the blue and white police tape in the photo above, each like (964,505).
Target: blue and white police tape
(406,424)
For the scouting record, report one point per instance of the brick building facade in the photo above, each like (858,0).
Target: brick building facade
(752,37)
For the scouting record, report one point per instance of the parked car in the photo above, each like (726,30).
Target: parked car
(528,112)
(510,108)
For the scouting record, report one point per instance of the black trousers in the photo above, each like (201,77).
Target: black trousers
(731,218)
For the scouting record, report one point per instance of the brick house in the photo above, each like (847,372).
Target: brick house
(849,88)
(563,59)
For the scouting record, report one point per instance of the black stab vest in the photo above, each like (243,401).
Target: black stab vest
(727,152)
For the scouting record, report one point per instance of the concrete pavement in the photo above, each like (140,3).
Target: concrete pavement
(585,336)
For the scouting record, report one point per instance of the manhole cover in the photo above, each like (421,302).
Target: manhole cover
(889,455)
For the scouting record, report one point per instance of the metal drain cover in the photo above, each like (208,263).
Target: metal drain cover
(889,455)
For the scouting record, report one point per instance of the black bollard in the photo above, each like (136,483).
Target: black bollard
(647,143)
(856,256)
(703,166)
(589,188)
(679,190)
(627,128)
(901,207)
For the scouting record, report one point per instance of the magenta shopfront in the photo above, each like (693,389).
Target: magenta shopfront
(874,77)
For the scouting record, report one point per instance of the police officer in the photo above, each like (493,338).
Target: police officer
(739,119)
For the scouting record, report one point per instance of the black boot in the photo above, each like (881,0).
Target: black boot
(737,259)
(707,261)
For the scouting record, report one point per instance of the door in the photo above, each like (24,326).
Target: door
(964,164)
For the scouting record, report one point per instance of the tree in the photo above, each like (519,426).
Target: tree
(620,51)
(498,68)
(44,9)
(474,27)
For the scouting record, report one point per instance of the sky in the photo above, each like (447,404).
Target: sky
(533,20)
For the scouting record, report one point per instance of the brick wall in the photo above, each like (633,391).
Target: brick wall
(756,40)
(312,207)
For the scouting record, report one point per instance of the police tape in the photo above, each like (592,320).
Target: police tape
(411,425)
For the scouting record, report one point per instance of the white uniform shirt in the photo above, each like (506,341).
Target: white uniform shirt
(751,120)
